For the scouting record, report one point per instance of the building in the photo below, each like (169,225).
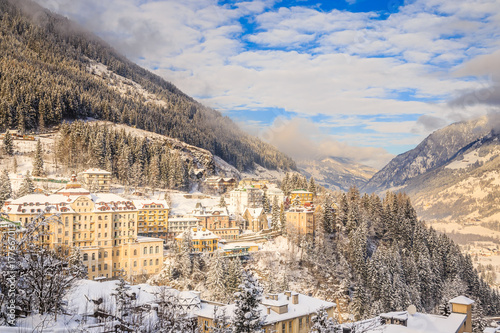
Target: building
(152,218)
(255,219)
(103,226)
(218,221)
(177,225)
(287,312)
(246,197)
(274,192)
(303,196)
(203,240)
(97,179)
(219,185)
(459,321)
(254,182)
(301,219)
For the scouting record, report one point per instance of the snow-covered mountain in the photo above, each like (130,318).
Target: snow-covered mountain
(453,174)
(336,173)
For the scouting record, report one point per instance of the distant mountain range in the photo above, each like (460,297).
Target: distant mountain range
(336,173)
(453,174)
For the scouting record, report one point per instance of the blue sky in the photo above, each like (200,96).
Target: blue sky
(360,79)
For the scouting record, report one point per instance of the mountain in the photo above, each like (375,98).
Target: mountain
(452,174)
(53,70)
(336,173)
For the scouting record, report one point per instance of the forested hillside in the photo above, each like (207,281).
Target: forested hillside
(46,77)
(372,256)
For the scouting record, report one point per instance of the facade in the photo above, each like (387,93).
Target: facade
(287,312)
(103,226)
(203,240)
(101,179)
(246,197)
(152,218)
(274,192)
(254,182)
(177,225)
(255,219)
(301,219)
(304,196)
(219,184)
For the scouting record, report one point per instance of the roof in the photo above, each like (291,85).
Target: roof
(141,203)
(96,171)
(255,212)
(461,300)
(198,233)
(183,219)
(307,305)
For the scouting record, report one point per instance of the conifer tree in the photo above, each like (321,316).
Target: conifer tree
(222,202)
(232,278)
(312,186)
(38,170)
(247,316)
(321,323)
(265,203)
(221,322)
(216,277)
(27,186)
(8,144)
(5,187)
(282,225)
(275,214)
(123,301)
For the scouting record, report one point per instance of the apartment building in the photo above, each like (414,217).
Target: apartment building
(99,178)
(152,218)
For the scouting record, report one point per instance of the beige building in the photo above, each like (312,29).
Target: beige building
(103,226)
(301,219)
(152,218)
(255,219)
(177,225)
(246,197)
(97,178)
(203,240)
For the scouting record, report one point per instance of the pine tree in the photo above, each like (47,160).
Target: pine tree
(312,186)
(123,301)
(275,214)
(247,316)
(8,144)
(5,187)
(27,186)
(265,203)
(216,277)
(477,317)
(321,323)
(221,322)
(232,279)
(222,202)
(282,225)
(38,170)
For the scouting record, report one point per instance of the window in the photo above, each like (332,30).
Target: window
(157,261)
(135,264)
(135,252)
(93,256)
(100,255)
(150,262)
(105,254)
(145,251)
(289,326)
(106,267)
(85,257)
(99,267)
(151,250)
(283,328)
(93,268)
(145,262)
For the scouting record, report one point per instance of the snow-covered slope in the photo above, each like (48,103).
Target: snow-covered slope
(337,173)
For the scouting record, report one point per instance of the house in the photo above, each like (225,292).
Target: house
(217,220)
(203,240)
(459,321)
(259,183)
(177,225)
(255,219)
(103,226)
(287,312)
(219,185)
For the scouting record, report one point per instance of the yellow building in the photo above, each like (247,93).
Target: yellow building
(101,179)
(254,182)
(301,220)
(103,226)
(287,312)
(152,218)
(203,240)
(303,195)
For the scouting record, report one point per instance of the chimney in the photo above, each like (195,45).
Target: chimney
(295,298)
(288,293)
(463,305)
(268,310)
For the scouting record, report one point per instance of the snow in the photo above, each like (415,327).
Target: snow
(469,159)
(461,300)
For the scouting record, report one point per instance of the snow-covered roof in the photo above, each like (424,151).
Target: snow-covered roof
(198,233)
(143,239)
(461,300)
(140,204)
(307,305)
(417,323)
(96,171)
(255,212)
(301,191)
(183,219)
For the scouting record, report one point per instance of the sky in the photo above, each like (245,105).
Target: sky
(360,79)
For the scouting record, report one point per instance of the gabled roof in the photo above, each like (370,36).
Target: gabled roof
(461,300)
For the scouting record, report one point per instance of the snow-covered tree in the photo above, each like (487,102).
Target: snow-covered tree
(232,279)
(222,202)
(282,225)
(275,214)
(8,144)
(221,322)
(312,186)
(321,323)
(477,318)
(216,277)
(27,186)
(247,316)
(265,203)
(38,170)
(5,187)
(123,301)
